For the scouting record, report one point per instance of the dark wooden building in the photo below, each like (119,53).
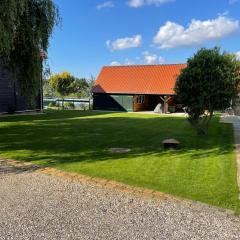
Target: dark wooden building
(136,88)
(10,97)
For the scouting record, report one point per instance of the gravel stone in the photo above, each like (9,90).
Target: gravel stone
(34,205)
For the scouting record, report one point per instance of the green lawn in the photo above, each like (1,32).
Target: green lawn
(204,169)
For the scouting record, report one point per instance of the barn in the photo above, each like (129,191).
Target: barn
(10,97)
(137,88)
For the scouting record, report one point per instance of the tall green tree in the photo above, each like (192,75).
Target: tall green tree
(25,29)
(80,88)
(208,83)
(63,83)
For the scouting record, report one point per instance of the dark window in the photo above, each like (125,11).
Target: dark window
(140,99)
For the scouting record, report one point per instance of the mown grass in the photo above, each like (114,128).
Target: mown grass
(204,169)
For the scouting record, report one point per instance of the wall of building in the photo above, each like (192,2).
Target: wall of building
(150,102)
(129,103)
(10,97)
(6,92)
(112,102)
(140,106)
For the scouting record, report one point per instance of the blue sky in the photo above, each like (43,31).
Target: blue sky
(95,33)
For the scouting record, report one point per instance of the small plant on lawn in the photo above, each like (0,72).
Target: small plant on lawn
(209,83)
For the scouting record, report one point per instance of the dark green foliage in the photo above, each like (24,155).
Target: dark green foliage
(69,105)
(66,85)
(10,12)
(80,87)
(25,28)
(52,104)
(207,84)
(63,83)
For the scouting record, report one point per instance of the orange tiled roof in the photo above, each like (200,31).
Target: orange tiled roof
(139,79)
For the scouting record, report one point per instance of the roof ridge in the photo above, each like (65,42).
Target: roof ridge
(146,65)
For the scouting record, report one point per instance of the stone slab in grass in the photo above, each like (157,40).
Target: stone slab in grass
(170,143)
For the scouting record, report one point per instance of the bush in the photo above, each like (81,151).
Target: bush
(52,104)
(172,109)
(69,105)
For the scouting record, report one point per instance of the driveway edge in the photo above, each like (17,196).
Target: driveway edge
(117,186)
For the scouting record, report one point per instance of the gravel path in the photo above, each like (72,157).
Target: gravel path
(34,205)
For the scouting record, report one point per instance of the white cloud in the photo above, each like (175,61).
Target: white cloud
(126,62)
(108,4)
(125,43)
(115,63)
(152,58)
(146,58)
(173,35)
(238,55)
(141,3)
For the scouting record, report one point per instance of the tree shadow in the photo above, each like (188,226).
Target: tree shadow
(202,169)
(73,136)
(51,115)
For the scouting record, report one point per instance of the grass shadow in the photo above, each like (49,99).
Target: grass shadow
(203,169)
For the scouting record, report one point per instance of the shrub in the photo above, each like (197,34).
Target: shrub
(52,104)
(69,105)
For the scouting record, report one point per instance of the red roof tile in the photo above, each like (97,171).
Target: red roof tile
(139,79)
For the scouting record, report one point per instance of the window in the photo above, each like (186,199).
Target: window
(140,99)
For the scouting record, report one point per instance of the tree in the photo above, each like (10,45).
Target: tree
(25,28)
(48,90)
(208,83)
(80,87)
(63,83)
(91,83)
(83,87)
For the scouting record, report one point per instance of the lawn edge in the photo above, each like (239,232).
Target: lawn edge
(139,192)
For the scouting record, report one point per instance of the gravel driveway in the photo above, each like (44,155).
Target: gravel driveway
(34,205)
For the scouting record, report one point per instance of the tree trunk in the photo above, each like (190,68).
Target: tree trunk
(165,103)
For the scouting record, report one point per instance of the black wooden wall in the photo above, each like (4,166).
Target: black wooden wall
(10,97)
(113,102)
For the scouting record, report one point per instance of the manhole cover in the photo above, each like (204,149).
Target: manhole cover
(171,143)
